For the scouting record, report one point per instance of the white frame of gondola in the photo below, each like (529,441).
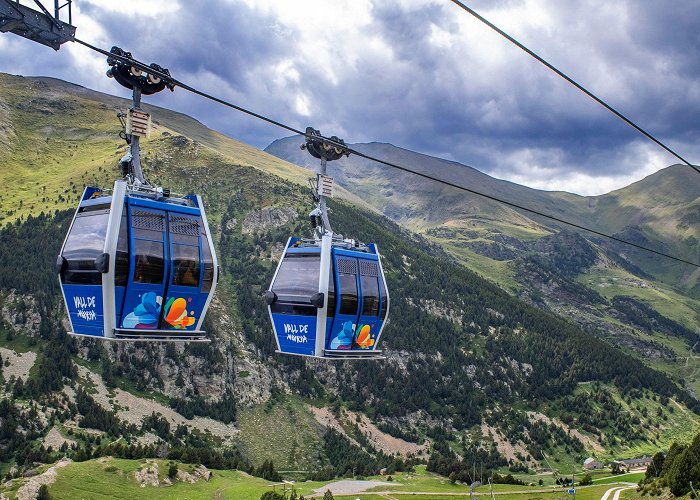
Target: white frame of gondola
(111,332)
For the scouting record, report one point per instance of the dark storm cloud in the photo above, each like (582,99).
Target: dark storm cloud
(426,76)
(213,46)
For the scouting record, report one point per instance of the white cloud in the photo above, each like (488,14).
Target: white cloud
(150,8)
(549,170)
(302,106)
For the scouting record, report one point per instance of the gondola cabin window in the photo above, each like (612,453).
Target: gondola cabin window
(331,293)
(184,235)
(384,299)
(85,243)
(347,276)
(370,290)
(297,281)
(186,265)
(121,269)
(149,265)
(208,264)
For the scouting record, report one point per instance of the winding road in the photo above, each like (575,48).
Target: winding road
(615,492)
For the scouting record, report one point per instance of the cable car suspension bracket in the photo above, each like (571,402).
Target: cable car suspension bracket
(142,79)
(325,149)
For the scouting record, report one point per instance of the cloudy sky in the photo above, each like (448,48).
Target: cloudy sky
(419,74)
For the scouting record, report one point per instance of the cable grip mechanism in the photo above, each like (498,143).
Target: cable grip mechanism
(131,73)
(329,149)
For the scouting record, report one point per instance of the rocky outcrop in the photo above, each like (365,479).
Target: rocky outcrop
(147,475)
(199,472)
(20,312)
(258,220)
(30,489)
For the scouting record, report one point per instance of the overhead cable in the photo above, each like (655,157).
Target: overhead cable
(573,82)
(289,128)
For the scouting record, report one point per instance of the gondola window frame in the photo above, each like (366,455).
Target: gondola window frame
(349,289)
(83,265)
(147,232)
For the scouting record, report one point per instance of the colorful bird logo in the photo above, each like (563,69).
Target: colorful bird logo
(176,313)
(364,338)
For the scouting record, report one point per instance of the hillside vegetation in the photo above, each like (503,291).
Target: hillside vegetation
(474,374)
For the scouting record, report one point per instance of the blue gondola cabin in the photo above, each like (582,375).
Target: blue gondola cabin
(328,299)
(138,265)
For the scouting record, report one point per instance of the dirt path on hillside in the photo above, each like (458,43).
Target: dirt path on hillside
(351,487)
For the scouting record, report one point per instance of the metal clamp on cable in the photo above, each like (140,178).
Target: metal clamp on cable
(320,147)
(135,75)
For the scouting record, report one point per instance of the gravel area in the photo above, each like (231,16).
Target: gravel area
(383,441)
(133,409)
(18,364)
(55,439)
(380,440)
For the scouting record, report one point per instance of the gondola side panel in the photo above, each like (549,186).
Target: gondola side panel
(295,334)
(85,308)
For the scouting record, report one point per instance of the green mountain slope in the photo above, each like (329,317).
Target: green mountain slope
(527,255)
(473,373)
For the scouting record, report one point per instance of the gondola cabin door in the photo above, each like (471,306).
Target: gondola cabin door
(143,300)
(357,322)
(190,268)
(171,269)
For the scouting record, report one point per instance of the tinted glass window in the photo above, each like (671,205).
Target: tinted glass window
(208,264)
(85,242)
(185,265)
(87,236)
(385,302)
(348,293)
(297,278)
(370,296)
(149,265)
(121,269)
(294,309)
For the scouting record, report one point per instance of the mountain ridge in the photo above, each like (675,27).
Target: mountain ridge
(663,206)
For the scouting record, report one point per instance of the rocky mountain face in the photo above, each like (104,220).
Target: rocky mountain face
(473,372)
